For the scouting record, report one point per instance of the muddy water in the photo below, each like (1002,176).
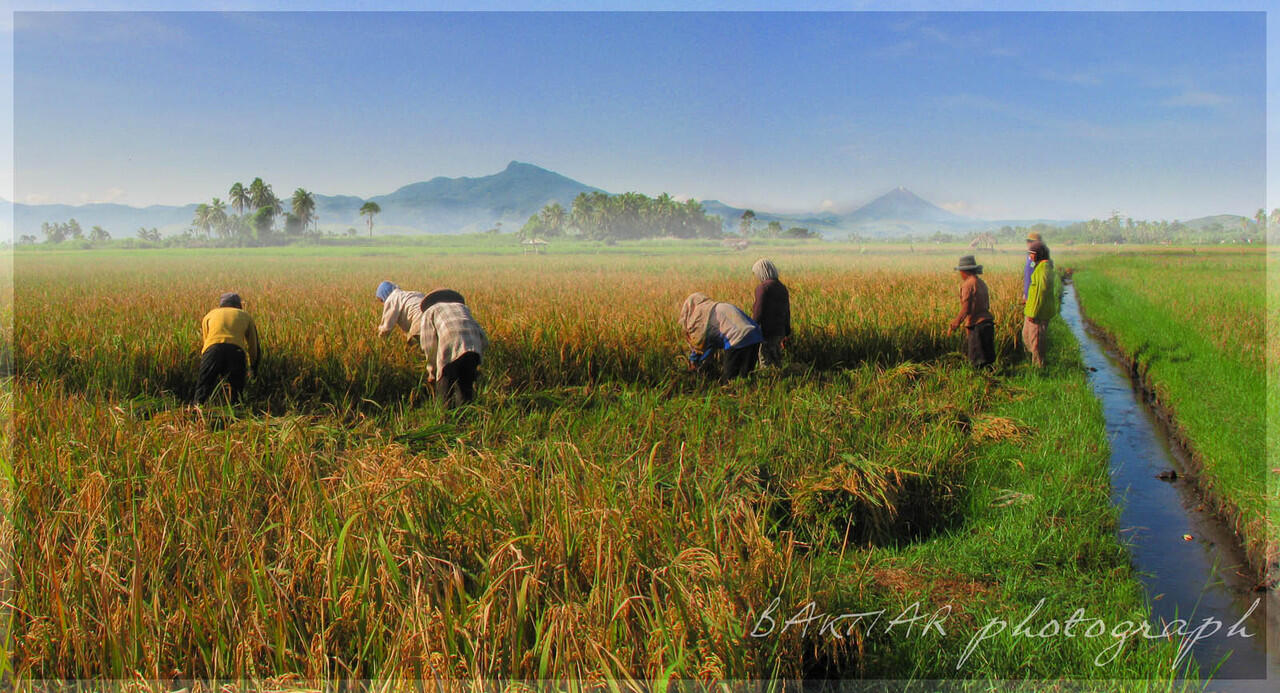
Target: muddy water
(1191,566)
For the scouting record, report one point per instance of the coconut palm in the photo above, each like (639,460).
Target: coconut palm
(201,220)
(304,207)
(239,198)
(259,194)
(368,210)
(552,217)
(218,216)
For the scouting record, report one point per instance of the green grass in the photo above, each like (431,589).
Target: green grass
(1195,327)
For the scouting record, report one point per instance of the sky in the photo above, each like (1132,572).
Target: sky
(994,114)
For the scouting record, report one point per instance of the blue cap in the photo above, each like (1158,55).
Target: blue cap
(384,290)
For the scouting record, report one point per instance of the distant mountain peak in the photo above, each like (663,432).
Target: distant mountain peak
(901,204)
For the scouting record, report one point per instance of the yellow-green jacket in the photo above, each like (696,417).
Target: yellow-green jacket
(1042,300)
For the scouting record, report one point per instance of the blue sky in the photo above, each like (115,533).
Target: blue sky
(991,114)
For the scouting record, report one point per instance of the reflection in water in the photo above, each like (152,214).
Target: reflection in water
(1203,577)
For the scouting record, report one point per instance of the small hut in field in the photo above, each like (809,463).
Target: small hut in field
(983,241)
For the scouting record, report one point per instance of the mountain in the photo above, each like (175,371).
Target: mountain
(457,204)
(1220,223)
(440,205)
(901,204)
(121,221)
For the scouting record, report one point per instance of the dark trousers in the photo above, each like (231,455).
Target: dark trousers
(456,384)
(739,362)
(221,361)
(980,346)
(771,351)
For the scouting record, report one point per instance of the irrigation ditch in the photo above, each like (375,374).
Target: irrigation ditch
(1192,565)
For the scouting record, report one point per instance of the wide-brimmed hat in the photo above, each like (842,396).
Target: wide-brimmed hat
(441,295)
(968,264)
(1034,236)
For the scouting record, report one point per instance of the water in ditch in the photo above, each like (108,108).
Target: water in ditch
(1191,565)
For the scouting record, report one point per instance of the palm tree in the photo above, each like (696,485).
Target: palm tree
(218,216)
(368,210)
(304,207)
(239,198)
(201,219)
(552,218)
(259,194)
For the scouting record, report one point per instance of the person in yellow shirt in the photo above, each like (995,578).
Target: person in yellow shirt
(1041,305)
(230,348)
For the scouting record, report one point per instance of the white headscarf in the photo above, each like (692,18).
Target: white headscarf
(764,270)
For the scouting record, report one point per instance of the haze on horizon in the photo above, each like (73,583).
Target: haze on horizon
(990,115)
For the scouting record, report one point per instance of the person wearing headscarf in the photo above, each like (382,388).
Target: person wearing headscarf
(710,325)
(400,308)
(230,348)
(1041,305)
(453,343)
(975,314)
(771,311)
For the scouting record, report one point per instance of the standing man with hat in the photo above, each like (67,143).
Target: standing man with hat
(975,314)
(1042,302)
(230,348)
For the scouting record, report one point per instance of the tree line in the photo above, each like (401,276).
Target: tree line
(251,215)
(603,217)
(1122,229)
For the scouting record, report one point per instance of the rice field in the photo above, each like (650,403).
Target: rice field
(600,517)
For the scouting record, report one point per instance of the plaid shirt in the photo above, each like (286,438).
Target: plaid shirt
(448,331)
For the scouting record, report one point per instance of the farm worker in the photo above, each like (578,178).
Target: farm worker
(452,342)
(400,308)
(975,314)
(772,311)
(1042,303)
(711,325)
(230,348)
(1033,237)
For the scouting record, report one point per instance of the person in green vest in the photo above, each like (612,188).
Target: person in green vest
(1041,305)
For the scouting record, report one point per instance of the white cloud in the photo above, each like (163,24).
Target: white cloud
(827,206)
(36,199)
(960,207)
(965,208)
